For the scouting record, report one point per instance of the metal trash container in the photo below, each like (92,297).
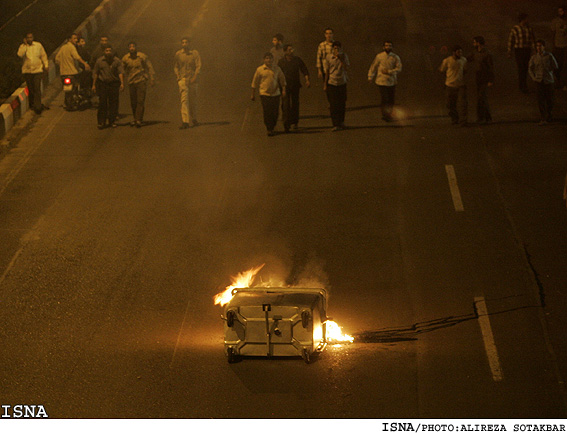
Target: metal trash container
(275,322)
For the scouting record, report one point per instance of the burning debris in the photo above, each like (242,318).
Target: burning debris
(275,321)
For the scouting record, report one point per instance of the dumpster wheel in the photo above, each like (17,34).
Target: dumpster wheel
(230,318)
(306,356)
(231,355)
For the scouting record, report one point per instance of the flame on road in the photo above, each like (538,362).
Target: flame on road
(242,280)
(335,333)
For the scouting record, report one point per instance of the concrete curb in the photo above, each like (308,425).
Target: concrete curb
(17,104)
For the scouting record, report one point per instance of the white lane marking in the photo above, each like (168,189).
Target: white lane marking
(179,336)
(28,155)
(488,338)
(31,235)
(455,193)
(245,121)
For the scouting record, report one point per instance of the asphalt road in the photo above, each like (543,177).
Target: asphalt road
(115,241)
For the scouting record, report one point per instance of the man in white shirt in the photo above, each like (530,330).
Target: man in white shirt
(34,65)
(385,69)
(269,79)
(454,69)
(67,58)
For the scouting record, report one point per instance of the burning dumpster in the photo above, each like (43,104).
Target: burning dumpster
(275,322)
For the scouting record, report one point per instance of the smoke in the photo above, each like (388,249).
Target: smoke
(313,275)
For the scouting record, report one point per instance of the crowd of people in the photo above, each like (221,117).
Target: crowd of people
(279,79)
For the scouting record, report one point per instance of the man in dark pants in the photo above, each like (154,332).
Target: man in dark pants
(385,69)
(541,68)
(336,65)
(34,65)
(108,78)
(292,66)
(482,61)
(139,71)
(270,81)
(522,41)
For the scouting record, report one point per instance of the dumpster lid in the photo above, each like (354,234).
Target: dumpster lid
(278,296)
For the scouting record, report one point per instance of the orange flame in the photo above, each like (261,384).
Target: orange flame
(334,333)
(242,280)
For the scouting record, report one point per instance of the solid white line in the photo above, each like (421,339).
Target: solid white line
(488,338)
(179,335)
(455,193)
(28,155)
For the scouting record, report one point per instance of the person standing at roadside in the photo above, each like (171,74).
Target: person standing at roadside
(542,67)
(293,67)
(34,66)
(336,66)
(384,70)
(559,29)
(454,69)
(482,61)
(325,48)
(522,41)
(66,58)
(187,69)
(270,81)
(139,71)
(108,78)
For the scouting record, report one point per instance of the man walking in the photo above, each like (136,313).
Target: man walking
(336,66)
(454,69)
(483,64)
(270,81)
(522,41)
(34,65)
(138,70)
(559,29)
(384,70)
(293,67)
(66,58)
(325,48)
(187,69)
(108,77)
(541,68)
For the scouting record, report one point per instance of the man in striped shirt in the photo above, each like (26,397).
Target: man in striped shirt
(325,48)
(522,42)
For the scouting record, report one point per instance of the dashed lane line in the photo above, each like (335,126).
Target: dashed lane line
(453,185)
(488,338)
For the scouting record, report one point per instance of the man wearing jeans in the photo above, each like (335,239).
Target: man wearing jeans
(187,68)
(34,65)
(139,71)
(541,68)
(336,65)
(454,69)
